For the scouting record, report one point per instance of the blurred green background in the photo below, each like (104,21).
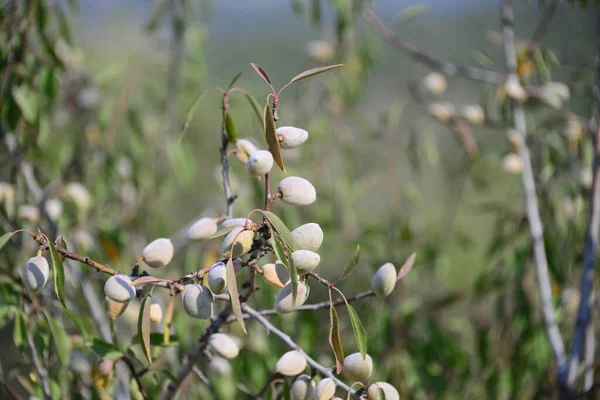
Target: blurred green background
(465,323)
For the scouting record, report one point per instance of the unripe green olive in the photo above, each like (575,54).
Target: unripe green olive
(308,236)
(237,242)
(114,309)
(217,278)
(35,274)
(197,301)
(259,163)
(390,392)
(201,229)
(158,253)
(325,389)
(384,280)
(291,137)
(306,260)
(276,275)
(117,288)
(284,301)
(156,313)
(228,223)
(223,346)
(301,388)
(356,369)
(297,191)
(291,363)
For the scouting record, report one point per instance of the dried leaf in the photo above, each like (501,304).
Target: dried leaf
(350,267)
(143,325)
(146,280)
(260,71)
(167,320)
(271,136)
(59,273)
(334,339)
(407,266)
(234,295)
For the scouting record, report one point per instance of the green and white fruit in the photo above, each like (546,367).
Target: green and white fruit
(291,137)
(219,366)
(442,111)
(284,301)
(197,301)
(301,388)
(245,149)
(291,363)
(79,195)
(223,346)
(435,83)
(228,223)
(114,309)
(276,275)
(29,213)
(356,369)
(259,163)
(321,51)
(306,260)
(514,89)
(156,313)
(217,278)
(512,163)
(237,242)
(158,253)
(117,288)
(325,389)
(473,113)
(308,236)
(384,280)
(297,191)
(390,392)
(35,274)
(201,229)
(53,208)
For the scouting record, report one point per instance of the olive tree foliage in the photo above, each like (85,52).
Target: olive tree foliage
(101,299)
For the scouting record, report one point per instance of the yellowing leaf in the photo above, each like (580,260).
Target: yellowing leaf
(143,325)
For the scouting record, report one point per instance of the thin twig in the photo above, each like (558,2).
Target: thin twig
(135,376)
(324,371)
(448,69)
(42,372)
(528,180)
(9,390)
(590,351)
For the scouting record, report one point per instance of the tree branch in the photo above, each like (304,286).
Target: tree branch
(448,69)
(42,372)
(528,180)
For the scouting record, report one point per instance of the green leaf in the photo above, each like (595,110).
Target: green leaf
(19,330)
(541,66)
(271,136)
(282,229)
(234,295)
(334,339)
(255,107)
(359,331)
(27,101)
(313,72)
(263,74)
(350,267)
(5,238)
(280,252)
(61,340)
(190,115)
(143,325)
(63,244)
(158,339)
(222,232)
(59,273)
(230,128)
(413,12)
(234,80)
(104,350)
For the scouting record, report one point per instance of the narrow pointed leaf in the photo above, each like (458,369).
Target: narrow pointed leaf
(5,238)
(260,71)
(230,128)
(284,256)
(146,280)
(407,266)
(334,339)
(19,330)
(350,267)
(255,107)
(359,331)
(59,273)
(143,325)
(104,350)
(313,72)
(271,136)
(234,80)
(61,243)
(282,229)
(221,232)
(61,340)
(234,295)
(190,115)
(167,321)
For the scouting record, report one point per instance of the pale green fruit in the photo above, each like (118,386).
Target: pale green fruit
(301,388)
(201,229)
(291,137)
(197,301)
(158,253)
(114,309)
(156,313)
(284,302)
(473,113)
(219,366)
(512,163)
(390,392)
(325,389)
(228,223)
(514,89)
(79,195)
(442,111)
(291,363)
(245,149)
(384,280)
(435,83)
(117,288)
(320,50)
(237,242)
(35,274)
(559,89)
(29,213)
(356,369)
(217,278)
(223,346)
(276,275)
(308,236)
(53,208)
(306,260)
(259,163)
(297,191)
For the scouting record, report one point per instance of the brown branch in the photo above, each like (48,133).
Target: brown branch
(448,69)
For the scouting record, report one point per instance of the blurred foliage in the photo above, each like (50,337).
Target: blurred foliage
(109,177)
